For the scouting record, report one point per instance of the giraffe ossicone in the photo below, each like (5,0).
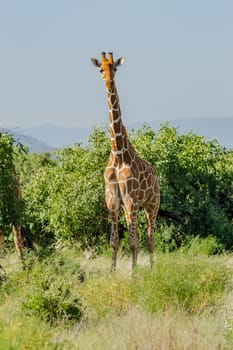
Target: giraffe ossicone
(130,182)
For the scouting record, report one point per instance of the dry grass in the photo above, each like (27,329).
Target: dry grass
(139,330)
(18,332)
(121,324)
(124,264)
(135,328)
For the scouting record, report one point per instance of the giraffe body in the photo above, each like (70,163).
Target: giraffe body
(130,181)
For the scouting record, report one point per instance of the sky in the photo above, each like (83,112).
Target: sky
(178,60)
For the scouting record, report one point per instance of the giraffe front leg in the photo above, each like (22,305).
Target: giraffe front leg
(114,239)
(151,218)
(112,200)
(131,211)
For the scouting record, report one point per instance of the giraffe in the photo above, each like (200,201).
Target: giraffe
(130,182)
(17,230)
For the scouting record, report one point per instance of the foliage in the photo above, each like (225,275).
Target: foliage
(52,302)
(196,246)
(178,281)
(67,200)
(183,297)
(182,281)
(106,293)
(11,206)
(196,179)
(18,332)
(65,194)
(30,163)
(51,297)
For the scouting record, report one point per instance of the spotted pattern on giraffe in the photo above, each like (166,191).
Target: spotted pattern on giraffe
(130,182)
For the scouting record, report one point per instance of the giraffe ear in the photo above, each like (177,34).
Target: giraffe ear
(95,62)
(119,61)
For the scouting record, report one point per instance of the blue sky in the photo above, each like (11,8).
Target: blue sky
(178,60)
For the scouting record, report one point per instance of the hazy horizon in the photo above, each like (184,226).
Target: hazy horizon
(88,126)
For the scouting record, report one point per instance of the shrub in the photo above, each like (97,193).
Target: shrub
(66,201)
(2,274)
(180,281)
(195,179)
(50,296)
(202,246)
(106,293)
(53,302)
(11,206)
(65,197)
(19,332)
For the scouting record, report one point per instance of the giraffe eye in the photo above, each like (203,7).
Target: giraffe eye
(101,70)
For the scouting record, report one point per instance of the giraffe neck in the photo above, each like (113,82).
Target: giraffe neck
(118,133)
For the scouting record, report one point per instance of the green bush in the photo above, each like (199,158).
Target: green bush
(106,293)
(67,201)
(19,332)
(2,275)
(11,206)
(183,282)
(196,182)
(202,246)
(65,197)
(188,291)
(50,296)
(53,302)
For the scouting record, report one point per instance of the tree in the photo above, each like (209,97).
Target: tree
(65,197)
(196,179)
(11,204)
(65,200)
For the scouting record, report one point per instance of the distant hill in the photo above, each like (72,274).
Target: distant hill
(34,145)
(220,128)
(58,136)
(48,137)
(212,128)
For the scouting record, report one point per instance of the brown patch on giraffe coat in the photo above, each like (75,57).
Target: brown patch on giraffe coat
(129,180)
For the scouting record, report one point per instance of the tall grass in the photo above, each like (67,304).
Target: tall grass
(140,330)
(182,282)
(19,332)
(180,303)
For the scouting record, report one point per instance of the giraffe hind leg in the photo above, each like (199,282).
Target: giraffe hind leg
(133,244)
(131,211)
(151,218)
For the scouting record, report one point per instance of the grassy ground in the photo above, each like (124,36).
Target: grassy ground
(66,301)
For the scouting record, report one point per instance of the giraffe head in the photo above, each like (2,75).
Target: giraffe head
(107,66)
